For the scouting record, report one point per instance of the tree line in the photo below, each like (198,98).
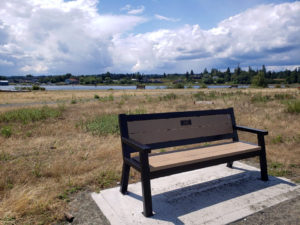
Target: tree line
(260,77)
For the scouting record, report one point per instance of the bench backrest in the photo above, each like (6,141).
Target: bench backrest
(161,130)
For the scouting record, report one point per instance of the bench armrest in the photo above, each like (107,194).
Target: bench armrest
(135,145)
(251,130)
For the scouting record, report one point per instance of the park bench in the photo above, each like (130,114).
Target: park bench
(146,132)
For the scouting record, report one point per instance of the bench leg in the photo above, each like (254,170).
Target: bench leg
(146,186)
(125,178)
(263,159)
(229,164)
(263,166)
(147,198)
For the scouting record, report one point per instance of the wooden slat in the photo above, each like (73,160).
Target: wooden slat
(163,130)
(178,158)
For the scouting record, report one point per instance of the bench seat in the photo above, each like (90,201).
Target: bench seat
(189,156)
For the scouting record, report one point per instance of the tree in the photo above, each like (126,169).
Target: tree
(227,75)
(187,75)
(259,80)
(192,72)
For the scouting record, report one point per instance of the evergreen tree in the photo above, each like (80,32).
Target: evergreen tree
(259,80)
(227,75)
(187,75)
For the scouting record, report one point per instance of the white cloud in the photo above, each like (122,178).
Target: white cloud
(268,34)
(133,11)
(160,17)
(126,7)
(138,10)
(53,36)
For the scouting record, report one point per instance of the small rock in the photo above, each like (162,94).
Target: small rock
(69,217)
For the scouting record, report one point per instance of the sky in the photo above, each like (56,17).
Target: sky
(42,37)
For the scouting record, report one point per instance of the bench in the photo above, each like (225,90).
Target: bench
(146,132)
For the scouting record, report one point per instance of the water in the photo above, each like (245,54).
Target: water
(90,87)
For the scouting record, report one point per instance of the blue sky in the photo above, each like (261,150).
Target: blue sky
(206,13)
(148,36)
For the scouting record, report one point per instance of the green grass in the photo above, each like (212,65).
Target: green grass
(109,98)
(276,169)
(103,125)
(283,96)
(108,178)
(66,194)
(4,156)
(278,139)
(258,98)
(261,98)
(27,115)
(200,96)
(293,106)
(6,131)
(168,97)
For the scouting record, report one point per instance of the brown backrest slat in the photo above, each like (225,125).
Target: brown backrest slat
(180,128)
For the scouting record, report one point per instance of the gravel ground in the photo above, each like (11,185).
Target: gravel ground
(287,212)
(86,212)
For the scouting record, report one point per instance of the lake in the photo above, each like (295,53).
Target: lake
(90,87)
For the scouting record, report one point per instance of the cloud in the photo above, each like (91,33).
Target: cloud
(267,34)
(54,36)
(133,11)
(160,17)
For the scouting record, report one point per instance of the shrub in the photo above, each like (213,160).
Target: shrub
(38,88)
(178,86)
(31,114)
(203,85)
(96,97)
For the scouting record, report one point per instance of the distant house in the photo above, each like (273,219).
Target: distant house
(3,82)
(72,81)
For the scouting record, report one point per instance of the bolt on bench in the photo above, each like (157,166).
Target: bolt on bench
(145,132)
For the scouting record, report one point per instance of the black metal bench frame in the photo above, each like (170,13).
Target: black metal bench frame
(130,146)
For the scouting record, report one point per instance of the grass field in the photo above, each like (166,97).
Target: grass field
(49,152)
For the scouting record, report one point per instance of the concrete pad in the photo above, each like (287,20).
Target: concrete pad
(213,195)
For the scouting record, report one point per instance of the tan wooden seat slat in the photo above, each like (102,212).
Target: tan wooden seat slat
(184,157)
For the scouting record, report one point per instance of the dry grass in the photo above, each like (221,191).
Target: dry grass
(42,163)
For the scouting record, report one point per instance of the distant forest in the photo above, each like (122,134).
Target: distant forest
(260,77)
